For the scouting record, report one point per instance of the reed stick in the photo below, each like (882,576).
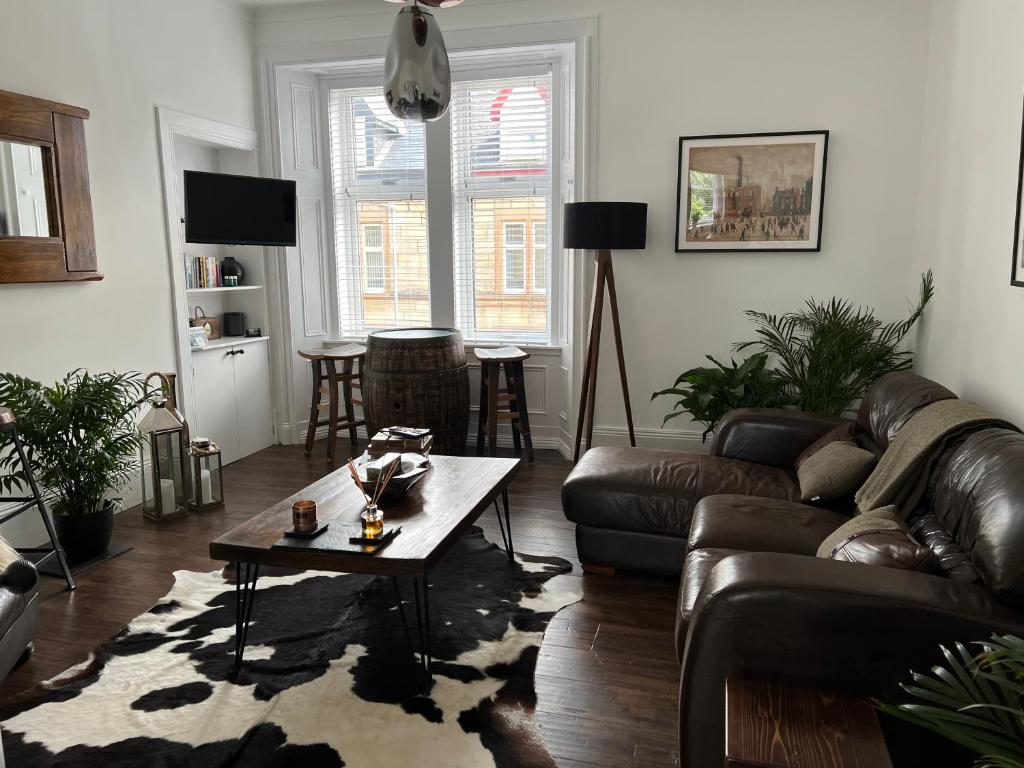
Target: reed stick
(359,480)
(383,484)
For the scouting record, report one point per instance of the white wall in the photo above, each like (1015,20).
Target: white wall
(970,148)
(670,68)
(119,60)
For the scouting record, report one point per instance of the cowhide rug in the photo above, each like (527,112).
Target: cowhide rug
(328,678)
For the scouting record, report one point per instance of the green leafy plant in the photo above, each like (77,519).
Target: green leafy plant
(708,393)
(975,701)
(828,353)
(81,434)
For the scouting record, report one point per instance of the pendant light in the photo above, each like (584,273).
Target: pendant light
(417,74)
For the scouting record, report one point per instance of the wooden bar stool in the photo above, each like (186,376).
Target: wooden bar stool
(325,382)
(514,394)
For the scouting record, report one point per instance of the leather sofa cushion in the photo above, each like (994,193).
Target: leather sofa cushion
(695,572)
(892,400)
(950,558)
(879,537)
(646,489)
(976,493)
(754,524)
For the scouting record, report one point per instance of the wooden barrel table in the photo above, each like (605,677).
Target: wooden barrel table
(418,377)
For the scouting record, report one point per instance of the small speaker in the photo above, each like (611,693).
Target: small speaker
(234,324)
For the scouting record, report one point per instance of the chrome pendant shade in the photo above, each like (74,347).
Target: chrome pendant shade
(417,75)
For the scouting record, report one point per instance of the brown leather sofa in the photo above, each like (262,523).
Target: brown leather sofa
(633,506)
(756,603)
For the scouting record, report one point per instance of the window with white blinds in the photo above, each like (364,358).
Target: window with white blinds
(379,184)
(502,188)
(497,284)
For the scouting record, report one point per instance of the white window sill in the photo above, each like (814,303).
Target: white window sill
(541,350)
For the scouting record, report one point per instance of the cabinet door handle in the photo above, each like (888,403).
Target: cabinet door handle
(239,351)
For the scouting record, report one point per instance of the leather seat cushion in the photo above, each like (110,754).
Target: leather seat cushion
(695,572)
(645,489)
(754,524)
(950,558)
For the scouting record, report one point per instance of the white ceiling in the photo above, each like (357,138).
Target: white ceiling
(270,3)
(266,3)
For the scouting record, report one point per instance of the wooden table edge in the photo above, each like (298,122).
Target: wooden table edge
(232,553)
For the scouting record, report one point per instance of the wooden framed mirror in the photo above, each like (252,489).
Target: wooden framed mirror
(46,227)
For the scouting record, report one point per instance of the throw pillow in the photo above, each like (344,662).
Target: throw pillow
(836,470)
(846,433)
(878,537)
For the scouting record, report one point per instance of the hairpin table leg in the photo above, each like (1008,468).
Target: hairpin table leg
(245,596)
(506,528)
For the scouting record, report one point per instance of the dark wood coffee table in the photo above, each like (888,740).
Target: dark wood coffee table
(434,515)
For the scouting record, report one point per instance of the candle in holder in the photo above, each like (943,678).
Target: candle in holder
(304,515)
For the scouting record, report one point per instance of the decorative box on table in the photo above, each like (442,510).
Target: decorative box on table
(400,440)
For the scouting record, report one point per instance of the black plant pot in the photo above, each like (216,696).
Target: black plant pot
(85,536)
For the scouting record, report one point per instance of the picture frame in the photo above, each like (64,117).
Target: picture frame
(751,192)
(1017,263)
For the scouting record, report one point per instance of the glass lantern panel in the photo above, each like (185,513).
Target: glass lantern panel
(166,457)
(210,490)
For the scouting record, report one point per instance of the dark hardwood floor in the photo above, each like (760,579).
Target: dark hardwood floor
(607,678)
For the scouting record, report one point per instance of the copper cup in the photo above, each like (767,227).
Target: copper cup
(304,515)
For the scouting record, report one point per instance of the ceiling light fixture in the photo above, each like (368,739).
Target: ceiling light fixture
(417,74)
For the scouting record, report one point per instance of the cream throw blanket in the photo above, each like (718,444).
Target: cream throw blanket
(7,556)
(902,473)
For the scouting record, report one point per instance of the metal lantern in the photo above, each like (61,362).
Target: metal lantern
(417,74)
(164,459)
(207,477)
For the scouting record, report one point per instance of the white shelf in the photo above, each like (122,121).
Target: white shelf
(230,341)
(225,289)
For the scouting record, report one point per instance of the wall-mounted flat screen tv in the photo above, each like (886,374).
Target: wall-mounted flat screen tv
(239,210)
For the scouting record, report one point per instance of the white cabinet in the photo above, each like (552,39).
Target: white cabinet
(231,392)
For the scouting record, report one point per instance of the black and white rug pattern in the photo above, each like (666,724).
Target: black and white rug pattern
(328,678)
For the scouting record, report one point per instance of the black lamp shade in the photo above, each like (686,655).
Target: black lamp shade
(605,226)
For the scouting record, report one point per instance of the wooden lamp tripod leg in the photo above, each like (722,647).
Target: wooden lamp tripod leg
(604,277)
(589,384)
(613,302)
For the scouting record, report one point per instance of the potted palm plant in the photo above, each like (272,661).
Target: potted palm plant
(83,446)
(975,700)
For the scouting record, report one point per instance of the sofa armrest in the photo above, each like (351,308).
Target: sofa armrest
(819,623)
(19,577)
(772,436)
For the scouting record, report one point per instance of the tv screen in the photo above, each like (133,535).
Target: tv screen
(238,210)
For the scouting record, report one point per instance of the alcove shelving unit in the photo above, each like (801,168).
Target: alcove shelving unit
(225,386)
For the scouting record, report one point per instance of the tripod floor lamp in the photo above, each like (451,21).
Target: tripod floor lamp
(602,228)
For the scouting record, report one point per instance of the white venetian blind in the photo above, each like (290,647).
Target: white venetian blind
(502,198)
(378,179)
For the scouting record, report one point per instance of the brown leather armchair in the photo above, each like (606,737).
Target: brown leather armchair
(756,603)
(633,506)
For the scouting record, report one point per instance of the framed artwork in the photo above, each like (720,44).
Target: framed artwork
(1017,267)
(751,192)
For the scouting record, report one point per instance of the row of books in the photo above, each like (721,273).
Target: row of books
(202,272)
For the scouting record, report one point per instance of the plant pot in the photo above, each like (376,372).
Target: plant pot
(85,536)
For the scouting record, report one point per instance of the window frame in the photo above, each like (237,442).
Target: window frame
(382,250)
(506,246)
(502,61)
(533,258)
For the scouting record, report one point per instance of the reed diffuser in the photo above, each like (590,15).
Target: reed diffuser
(372,517)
